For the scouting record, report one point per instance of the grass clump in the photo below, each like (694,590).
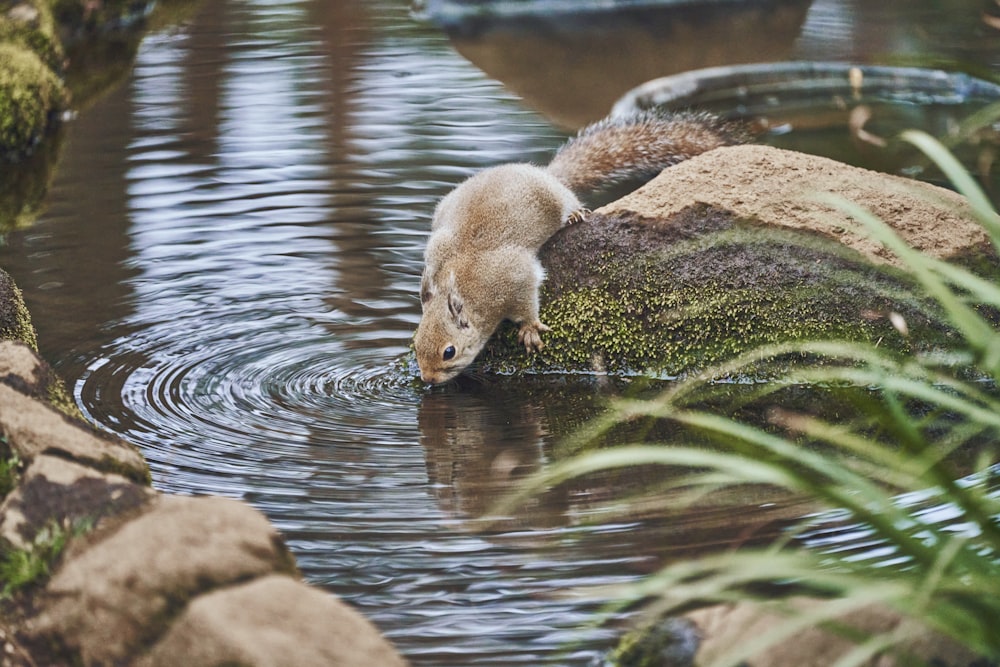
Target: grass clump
(10,469)
(922,423)
(20,568)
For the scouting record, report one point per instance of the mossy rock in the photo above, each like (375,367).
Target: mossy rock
(660,301)
(15,322)
(30,24)
(30,96)
(659,285)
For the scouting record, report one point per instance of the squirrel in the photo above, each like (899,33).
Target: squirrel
(481,264)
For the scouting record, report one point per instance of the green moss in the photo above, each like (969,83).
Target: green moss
(663,644)
(15,322)
(30,94)
(31,25)
(59,397)
(112,465)
(10,469)
(20,568)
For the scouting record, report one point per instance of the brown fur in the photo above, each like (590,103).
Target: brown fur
(638,147)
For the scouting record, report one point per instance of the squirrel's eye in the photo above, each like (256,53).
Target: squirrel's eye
(449,352)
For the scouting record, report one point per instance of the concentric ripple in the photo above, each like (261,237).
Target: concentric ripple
(268,291)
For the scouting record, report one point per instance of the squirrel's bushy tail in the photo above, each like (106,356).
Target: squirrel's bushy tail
(636,148)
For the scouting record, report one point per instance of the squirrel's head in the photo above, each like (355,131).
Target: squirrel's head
(446,341)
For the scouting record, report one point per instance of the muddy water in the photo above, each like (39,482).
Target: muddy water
(227,273)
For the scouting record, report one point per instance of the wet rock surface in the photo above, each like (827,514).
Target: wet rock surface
(54,489)
(31,428)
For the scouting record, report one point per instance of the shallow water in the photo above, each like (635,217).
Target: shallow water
(227,273)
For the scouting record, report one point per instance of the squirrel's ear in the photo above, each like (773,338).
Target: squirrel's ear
(455,303)
(425,290)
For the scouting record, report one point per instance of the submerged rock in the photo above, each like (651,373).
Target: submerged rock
(731,250)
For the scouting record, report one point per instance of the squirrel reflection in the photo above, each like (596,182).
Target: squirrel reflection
(479,442)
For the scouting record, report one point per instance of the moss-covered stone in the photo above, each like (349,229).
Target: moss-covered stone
(672,642)
(29,23)
(30,96)
(15,322)
(667,297)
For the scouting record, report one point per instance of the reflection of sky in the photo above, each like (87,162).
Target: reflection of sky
(209,234)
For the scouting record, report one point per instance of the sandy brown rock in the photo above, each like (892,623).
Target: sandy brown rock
(271,622)
(109,601)
(60,491)
(18,360)
(31,429)
(779,187)
(726,628)
(22,369)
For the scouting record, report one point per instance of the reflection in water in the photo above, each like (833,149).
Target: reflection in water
(592,59)
(227,273)
(573,67)
(478,444)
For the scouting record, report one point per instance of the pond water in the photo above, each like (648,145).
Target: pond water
(226,275)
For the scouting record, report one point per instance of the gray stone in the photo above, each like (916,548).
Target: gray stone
(117,595)
(271,622)
(32,429)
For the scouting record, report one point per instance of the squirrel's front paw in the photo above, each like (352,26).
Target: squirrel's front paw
(579,215)
(530,335)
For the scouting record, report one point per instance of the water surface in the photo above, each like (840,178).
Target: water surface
(227,274)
